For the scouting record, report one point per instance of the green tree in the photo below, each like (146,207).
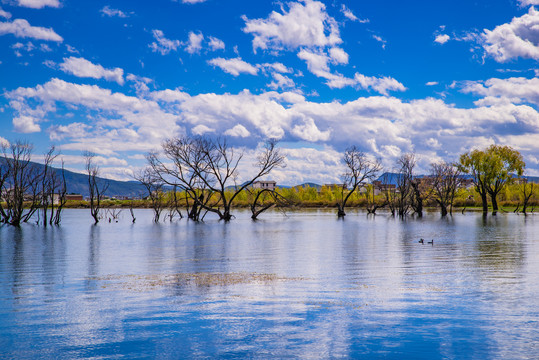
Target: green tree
(491,170)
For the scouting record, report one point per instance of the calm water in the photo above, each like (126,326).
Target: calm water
(306,286)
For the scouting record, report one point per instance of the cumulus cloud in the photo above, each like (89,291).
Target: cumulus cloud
(22,29)
(238,131)
(386,126)
(83,68)
(194,42)
(216,44)
(519,38)
(512,90)
(192,1)
(25,124)
(442,38)
(528,2)
(110,12)
(4,142)
(5,14)
(234,66)
(163,45)
(130,123)
(38,4)
(306,23)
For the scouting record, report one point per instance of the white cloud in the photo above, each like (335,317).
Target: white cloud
(25,124)
(83,68)
(5,14)
(238,131)
(512,90)
(351,16)
(234,67)
(163,45)
(38,4)
(528,2)
(382,126)
(442,38)
(108,11)
(116,122)
(216,44)
(519,38)
(432,83)
(380,40)
(305,24)
(201,130)
(193,1)
(194,43)
(22,29)
(281,82)
(338,55)
(278,67)
(4,142)
(381,85)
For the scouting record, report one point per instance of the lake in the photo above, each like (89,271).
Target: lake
(305,285)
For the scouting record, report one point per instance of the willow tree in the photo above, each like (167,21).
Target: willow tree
(359,169)
(491,170)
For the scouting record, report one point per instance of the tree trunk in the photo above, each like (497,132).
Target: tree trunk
(494,204)
(485,202)
(340,211)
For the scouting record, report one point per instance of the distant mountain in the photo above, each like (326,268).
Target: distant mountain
(78,183)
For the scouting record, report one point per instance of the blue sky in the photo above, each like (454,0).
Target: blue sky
(119,77)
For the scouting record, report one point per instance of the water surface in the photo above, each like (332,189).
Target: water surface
(306,285)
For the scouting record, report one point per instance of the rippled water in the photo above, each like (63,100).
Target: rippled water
(307,286)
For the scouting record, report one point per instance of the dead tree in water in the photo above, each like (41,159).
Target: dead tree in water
(19,183)
(96,188)
(207,169)
(446,178)
(264,200)
(359,169)
(372,205)
(154,186)
(527,190)
(404,190)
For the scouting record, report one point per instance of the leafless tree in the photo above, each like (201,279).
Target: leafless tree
(404,193)
(372,203)
(527,190)
(265,199)
(446,179)
(96,186)
(207,170)
(53,190)
(19,183)
(154,186)
(359,169)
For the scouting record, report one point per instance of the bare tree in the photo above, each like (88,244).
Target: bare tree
(154,186)
(359,169)
(96,187)
(446,179)
(404,193)
(207,169)
(266,199)
(19,183)
(53,190)
(527,190)
(372,204)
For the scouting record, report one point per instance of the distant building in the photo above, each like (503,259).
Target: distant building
(270,185)
(74,197)
(380,188)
